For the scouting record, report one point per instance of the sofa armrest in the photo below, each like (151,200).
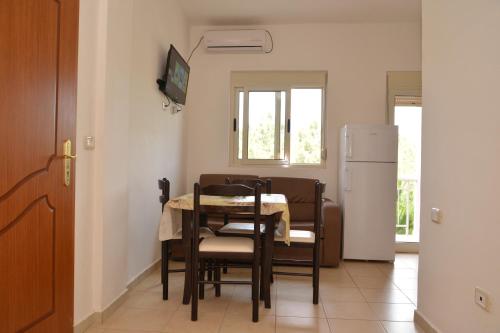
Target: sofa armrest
(331,233)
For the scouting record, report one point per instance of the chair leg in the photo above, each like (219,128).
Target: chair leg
(164,267)
(255,291)
(224,270)
(315,275)
(210,269)
(202,278)
(194,290)
(217,278)
(262,292)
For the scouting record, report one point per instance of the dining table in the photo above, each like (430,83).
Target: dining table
(177,219)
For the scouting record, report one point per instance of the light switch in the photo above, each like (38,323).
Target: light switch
(89,143)
(436,215)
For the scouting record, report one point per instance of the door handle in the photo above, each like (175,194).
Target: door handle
(348,180)
(67,156)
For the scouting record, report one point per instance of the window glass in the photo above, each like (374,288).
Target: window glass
(261,124)
(305,131)
(241,105)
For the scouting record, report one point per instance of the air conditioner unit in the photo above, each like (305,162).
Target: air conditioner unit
(235,40)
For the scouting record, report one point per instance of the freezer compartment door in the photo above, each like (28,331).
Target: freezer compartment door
(371,143)
(370,194)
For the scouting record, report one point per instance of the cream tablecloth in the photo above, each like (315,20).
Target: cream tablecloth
(171,219)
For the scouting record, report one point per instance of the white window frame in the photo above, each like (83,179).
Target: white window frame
(276,81)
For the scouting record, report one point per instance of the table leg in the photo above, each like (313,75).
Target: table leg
(186,242)
(267,264)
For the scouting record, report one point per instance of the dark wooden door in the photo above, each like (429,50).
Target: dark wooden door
(38,66)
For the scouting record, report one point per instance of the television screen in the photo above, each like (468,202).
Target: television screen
(175,79)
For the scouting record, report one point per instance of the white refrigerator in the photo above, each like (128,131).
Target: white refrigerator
(368,190)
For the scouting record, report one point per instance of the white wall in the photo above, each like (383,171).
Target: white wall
(155,136)
(123,48)
(90,25)
(356,56)
(461,163)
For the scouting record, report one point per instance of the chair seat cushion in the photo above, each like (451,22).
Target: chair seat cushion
(205,232)
(240,228)
(227,244)
(298,236)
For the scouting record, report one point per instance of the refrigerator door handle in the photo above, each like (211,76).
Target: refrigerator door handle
(348,140)
(347,185)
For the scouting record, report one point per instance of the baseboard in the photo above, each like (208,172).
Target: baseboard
(424,323)
(99,317)
(141,276)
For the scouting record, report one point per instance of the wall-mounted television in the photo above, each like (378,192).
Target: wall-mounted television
(174,82)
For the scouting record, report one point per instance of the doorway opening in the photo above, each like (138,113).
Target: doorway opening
(408,117)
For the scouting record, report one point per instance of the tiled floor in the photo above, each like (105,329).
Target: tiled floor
(357,297)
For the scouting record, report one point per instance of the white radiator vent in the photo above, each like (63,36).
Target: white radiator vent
(236,40)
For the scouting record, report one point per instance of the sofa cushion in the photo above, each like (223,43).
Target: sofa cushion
(300,193)
(296,190)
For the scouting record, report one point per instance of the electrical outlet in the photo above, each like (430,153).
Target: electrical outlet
(481,298)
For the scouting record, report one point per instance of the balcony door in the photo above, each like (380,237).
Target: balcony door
(408,117)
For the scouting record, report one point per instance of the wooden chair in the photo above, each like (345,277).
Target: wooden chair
(244,226)
(219,249)
(307,239)
(164,186)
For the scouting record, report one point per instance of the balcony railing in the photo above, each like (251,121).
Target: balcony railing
(406,206)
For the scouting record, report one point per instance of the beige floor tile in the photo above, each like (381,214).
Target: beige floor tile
(393,312)
(373,282)
(153,300)
(211,303)
(296,288)
(336,278)
(208,322)
(138,319)
(241,303)
(336,294)
(346,310)
(401,327)
(406,283)
(95,330)
(384,296)
(406,261)
(301,325)
(243,324)
(412,295)
(355,268)
(152,283)
(404,273)
(355,326)
(298,306)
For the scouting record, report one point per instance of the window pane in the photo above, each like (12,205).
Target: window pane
(261,124)
(305,132)
(241,103)
(282,125)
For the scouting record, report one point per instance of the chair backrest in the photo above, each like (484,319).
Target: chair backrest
(212,178)
(164,186)
(318,201)
(266,184)
(228,190)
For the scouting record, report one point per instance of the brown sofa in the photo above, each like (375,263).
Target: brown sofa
(300,196)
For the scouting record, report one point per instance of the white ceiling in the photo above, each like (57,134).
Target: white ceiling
(250,12)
